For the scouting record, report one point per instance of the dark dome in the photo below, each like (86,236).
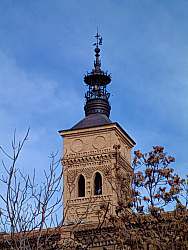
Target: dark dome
(92,120)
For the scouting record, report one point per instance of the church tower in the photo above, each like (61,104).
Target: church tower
(97,154)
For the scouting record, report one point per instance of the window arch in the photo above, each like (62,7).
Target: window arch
(98,184)
(81,186)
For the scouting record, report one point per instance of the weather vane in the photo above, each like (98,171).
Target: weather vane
(99,40)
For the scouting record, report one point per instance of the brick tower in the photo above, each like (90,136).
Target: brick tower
(97,154)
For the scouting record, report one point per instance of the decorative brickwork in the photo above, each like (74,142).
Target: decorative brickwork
(90,151)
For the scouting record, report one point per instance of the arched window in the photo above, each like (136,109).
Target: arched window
(98,184)
(81,186)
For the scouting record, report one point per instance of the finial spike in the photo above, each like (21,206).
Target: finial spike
(97,63)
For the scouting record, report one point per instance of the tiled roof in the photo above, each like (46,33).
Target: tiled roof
(92,120)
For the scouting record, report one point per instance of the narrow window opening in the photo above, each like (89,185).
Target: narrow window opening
(81,186)
(98,184)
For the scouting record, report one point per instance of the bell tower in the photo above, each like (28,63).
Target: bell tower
(97,154)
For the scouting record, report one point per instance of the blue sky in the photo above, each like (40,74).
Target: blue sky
(46,48)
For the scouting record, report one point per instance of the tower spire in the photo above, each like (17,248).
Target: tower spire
(97,97)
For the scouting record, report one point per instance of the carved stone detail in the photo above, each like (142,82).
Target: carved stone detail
(77,145)
(99,142)
(88,153)
(71,176)
(88,158)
